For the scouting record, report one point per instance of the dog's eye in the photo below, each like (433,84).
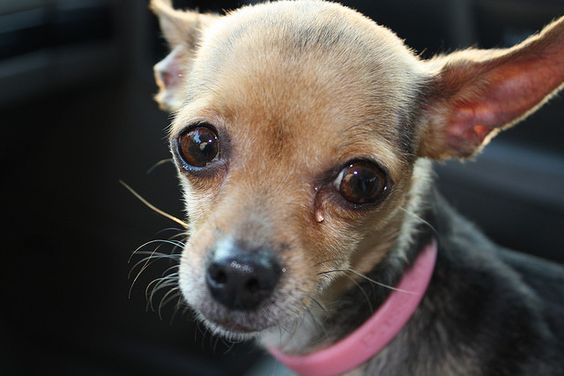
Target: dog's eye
(198,146)
(361,182)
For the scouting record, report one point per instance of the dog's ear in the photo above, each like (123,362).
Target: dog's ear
(182,31)
(476,93)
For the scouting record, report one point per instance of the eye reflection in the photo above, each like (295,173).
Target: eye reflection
(361,182)
(199,146)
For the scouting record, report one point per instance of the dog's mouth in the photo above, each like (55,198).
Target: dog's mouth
(232,326)
(236,323)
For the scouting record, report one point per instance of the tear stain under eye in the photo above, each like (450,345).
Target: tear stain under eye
(319,216)
(318,210)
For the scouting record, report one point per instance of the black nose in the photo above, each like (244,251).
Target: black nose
(242,280)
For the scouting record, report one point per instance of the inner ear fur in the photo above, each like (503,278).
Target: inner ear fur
(182,31)
(477,93)
(180,27)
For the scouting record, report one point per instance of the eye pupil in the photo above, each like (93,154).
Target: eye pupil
(362,182)
(198,146)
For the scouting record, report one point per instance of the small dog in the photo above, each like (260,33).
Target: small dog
(303,134)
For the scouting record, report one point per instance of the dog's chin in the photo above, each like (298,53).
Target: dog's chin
(235,325)
(230,329)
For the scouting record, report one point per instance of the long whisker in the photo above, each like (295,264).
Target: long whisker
(154,256)
(167,298)
(158,256)
(366,278)
(316,321)
(323,308)
(169,229)
(380,283)
(419,219)
(149,290)
(297,324)
(181,234)
(175,243)
(169,277)
(147,261)
(165,282)
(158,164)
(170,269)
(177,307)
(362,291)
(153,207)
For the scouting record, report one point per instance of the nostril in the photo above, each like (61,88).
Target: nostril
(217,274)
(220,277)
(252,285)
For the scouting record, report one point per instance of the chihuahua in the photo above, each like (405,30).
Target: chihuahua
(303,134)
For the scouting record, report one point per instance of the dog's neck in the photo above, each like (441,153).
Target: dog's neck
(375,333)
(319,328)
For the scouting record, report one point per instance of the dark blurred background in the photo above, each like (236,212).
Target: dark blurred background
(77,115)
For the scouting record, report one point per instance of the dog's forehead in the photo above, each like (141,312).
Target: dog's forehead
(309,36)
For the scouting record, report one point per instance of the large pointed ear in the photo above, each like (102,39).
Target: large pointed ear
(476,93)
(182,31)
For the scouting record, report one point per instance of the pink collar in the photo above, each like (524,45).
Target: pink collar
(372,336)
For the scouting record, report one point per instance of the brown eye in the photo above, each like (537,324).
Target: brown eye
(361,182)
(198,146)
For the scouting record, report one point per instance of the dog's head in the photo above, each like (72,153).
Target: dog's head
(299,133)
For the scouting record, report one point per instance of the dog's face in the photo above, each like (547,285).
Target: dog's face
(297,133)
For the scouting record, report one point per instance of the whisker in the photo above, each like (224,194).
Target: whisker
(167,299)
(363,292)
(158,287)
(316,321)
(298,322)
(177,307)
(158,256)
(153,207)
(366,278)
(158,164)
(419,219)
(170,229)
(230,347)
(180,234)
(154,255)
(380,283)
(169,269)
(323,308)
(175,243)
(149,260)
(130,292)
(157,284)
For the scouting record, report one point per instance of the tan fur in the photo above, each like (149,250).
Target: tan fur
(298,88)
(182,30)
